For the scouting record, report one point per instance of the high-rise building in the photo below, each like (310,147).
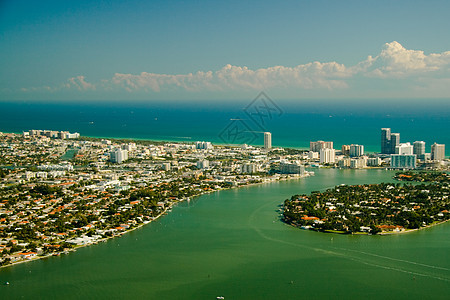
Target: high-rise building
(437,152)
(249,168)
(389,141)
(316,146)
(326,155)
(345,149)
(385,140)
(394,142)
(356,150)
(404,148)
(419,148)
(374,161)
(403,161)
(118,156)
(292,168)
(358,163)
(267,140)
(344,162)
(203,164)
(203,145)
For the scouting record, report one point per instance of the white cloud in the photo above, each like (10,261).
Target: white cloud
(414,68)
(395,61)
(79,83)
(309,76)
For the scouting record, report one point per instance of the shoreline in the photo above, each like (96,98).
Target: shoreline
(165,211)
(415,229)
(183,140)
(367,233)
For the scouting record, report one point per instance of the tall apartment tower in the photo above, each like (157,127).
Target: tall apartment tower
(419,148)
(404,148)
(385,140)
(356,150)
(437,152)
(389,141)
(316,146)
(267,140)
(326,155)
(394,142)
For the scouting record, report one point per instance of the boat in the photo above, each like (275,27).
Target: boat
(220,297)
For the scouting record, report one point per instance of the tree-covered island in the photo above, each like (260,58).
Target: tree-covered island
(372,208)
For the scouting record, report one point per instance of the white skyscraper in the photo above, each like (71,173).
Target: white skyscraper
(316,146)
(267,140)
(356,150)
(118,156)
(404,148)
(327,156)
(419,148)
(437,152)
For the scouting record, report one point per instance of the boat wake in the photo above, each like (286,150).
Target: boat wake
(382,263)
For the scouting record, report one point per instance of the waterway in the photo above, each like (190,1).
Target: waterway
(232,244)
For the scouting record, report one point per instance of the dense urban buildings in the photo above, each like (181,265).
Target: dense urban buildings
(405,153)
(70,193)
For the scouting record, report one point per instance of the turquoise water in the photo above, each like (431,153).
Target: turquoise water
(232,244)
(70,153)
(297,124)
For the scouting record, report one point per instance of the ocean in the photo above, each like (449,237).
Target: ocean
(292,123)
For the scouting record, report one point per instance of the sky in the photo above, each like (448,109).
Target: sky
(218,50)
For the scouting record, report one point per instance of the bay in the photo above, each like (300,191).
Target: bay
(231,243)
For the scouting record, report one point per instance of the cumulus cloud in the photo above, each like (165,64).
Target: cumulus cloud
(308,76)
(80,83)
(394,62)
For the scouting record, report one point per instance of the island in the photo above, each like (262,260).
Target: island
(373,208)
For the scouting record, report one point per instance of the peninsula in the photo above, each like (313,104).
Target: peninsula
(60,191)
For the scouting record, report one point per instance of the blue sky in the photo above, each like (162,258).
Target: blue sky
(157,50)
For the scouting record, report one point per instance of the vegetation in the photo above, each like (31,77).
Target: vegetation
(370,208)
(423,176)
